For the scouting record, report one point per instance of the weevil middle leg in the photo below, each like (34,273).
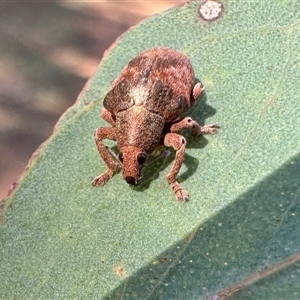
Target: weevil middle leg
(102,133)
(107,116)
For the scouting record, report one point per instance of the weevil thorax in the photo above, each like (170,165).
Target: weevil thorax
(138,133)
(133,160)
(138,127)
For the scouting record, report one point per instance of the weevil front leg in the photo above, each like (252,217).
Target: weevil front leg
(188,122)
(178,142)
(102,133)
(107,116)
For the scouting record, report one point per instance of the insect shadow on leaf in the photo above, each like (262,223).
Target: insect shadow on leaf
(199,112)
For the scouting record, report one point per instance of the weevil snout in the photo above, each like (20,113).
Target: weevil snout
(133,160)
(131,180)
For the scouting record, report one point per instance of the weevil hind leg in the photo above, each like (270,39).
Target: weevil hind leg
(198,90)
(102,133)
(188,122)
(209,128)
(178,142)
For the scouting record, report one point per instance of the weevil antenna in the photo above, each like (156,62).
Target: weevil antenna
(162,154)
(115,156)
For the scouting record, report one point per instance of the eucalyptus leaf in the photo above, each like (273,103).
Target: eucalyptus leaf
(63,238)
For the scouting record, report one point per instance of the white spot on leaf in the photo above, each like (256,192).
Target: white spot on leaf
(210,10)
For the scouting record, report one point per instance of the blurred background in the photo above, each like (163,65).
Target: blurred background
(48,50)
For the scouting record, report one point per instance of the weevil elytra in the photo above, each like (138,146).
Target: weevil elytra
(144,107)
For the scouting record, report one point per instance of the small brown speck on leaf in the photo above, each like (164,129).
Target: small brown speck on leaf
(120,271)
(165,259)
(12,189)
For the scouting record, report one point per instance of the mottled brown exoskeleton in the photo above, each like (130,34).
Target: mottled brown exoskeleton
(144,108)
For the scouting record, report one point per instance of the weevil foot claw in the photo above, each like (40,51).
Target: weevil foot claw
(210,128)
(102,179)
(180,193)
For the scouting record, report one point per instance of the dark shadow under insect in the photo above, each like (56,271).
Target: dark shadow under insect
(199,113)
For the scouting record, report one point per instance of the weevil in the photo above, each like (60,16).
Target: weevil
(144,107)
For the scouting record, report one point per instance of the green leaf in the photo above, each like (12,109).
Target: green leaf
(63,238)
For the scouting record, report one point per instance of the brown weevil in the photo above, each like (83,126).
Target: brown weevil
(144,107)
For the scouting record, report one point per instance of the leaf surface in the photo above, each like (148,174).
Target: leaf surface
(64,238)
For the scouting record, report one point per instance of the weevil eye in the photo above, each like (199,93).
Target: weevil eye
(141,158)
(121,157)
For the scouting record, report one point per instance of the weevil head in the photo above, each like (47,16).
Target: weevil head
(133,160)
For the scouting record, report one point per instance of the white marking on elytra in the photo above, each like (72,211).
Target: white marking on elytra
(139,94)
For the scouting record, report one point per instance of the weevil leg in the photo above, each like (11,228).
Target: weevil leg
(188,122)
(209,128)
(107,116)
(178,142)
(102,133)
(198,90)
